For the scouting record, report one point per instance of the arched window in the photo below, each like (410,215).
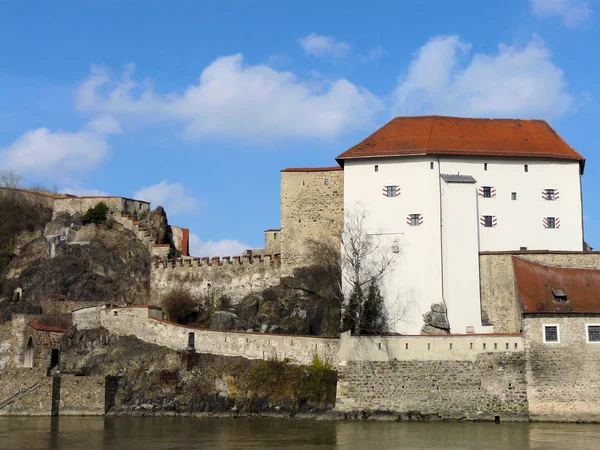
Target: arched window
(29,353)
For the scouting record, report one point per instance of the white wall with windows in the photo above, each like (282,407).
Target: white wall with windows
(513,204)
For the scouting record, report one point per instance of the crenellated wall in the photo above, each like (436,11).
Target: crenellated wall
(213,278)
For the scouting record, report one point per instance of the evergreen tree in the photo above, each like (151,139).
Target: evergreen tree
(353,310)
(373,316)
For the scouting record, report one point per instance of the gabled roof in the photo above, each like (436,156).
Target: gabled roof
(440,135)
(535,282)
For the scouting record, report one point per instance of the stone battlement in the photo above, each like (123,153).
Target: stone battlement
(217,261)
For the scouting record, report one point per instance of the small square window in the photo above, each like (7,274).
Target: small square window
(526,167)
(522,248)
(593,333)
(513,195)
(551,333)
(550,222)
(326,180)
(488,221)
(416,220)
(391,191)
(550,194)
(376,168)
(487,192)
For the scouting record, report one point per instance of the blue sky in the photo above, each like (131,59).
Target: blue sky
(198,105)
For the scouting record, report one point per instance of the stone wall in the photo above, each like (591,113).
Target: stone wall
(272,242)
(298,349)
(450,377)
(5,344)
(116,205)
(161,251)
(498,293)
(87,318)
(215,278)
(43,343)
(312,205)
(563,377)
(82,396)
(30,392)
(33,197)
(25,392)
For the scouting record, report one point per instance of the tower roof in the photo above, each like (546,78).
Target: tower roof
(440,135)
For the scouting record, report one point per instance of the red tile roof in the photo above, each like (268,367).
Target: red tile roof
(311,169)
(439,135)
(535,282)
(39,327)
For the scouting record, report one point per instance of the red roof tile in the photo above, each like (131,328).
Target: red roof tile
(439,135)
(311,169)
(39,327)
(535,283)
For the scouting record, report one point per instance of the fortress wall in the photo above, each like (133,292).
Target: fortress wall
(298,349)
(426,376)
(215,278)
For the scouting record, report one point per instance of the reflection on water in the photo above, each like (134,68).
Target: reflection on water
(186,432)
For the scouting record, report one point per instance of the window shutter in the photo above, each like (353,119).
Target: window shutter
(545,194)
(556,222)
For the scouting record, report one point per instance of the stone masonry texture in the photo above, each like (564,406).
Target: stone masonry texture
(492,385)
(563,378)
(312,205)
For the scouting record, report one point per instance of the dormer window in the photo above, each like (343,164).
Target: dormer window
(560,295)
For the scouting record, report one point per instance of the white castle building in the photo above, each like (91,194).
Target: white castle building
(443,189)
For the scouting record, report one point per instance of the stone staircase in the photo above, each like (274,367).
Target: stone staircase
(18,395)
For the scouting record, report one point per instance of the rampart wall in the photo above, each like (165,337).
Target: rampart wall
(498,292)
(298,349)
(216,277)
(116,205)
(33,197)
(449,377)
(312,205)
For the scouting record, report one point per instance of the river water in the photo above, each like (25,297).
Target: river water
(252,433)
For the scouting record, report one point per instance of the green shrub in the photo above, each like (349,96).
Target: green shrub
(97,214)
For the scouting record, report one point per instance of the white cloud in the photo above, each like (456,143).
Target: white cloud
(59,155)
(373,54)
(317,45)
(516,81)
(236,101)
(171,196)
(225,247)
(572,12)
(84,192)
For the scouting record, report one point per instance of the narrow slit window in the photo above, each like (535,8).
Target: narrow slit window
(431,165)
(526,167)
(376,168)
(484,166)
(513,195)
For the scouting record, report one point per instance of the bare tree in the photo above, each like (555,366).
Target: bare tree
(10,179)
(365,260)
(345,271)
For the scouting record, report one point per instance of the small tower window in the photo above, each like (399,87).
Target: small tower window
(551,222)
(526,167)
(431,165)
(414,220)
(376,168)
(513,195)
(484,166)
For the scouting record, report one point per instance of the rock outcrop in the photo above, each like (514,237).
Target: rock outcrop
(436,320)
